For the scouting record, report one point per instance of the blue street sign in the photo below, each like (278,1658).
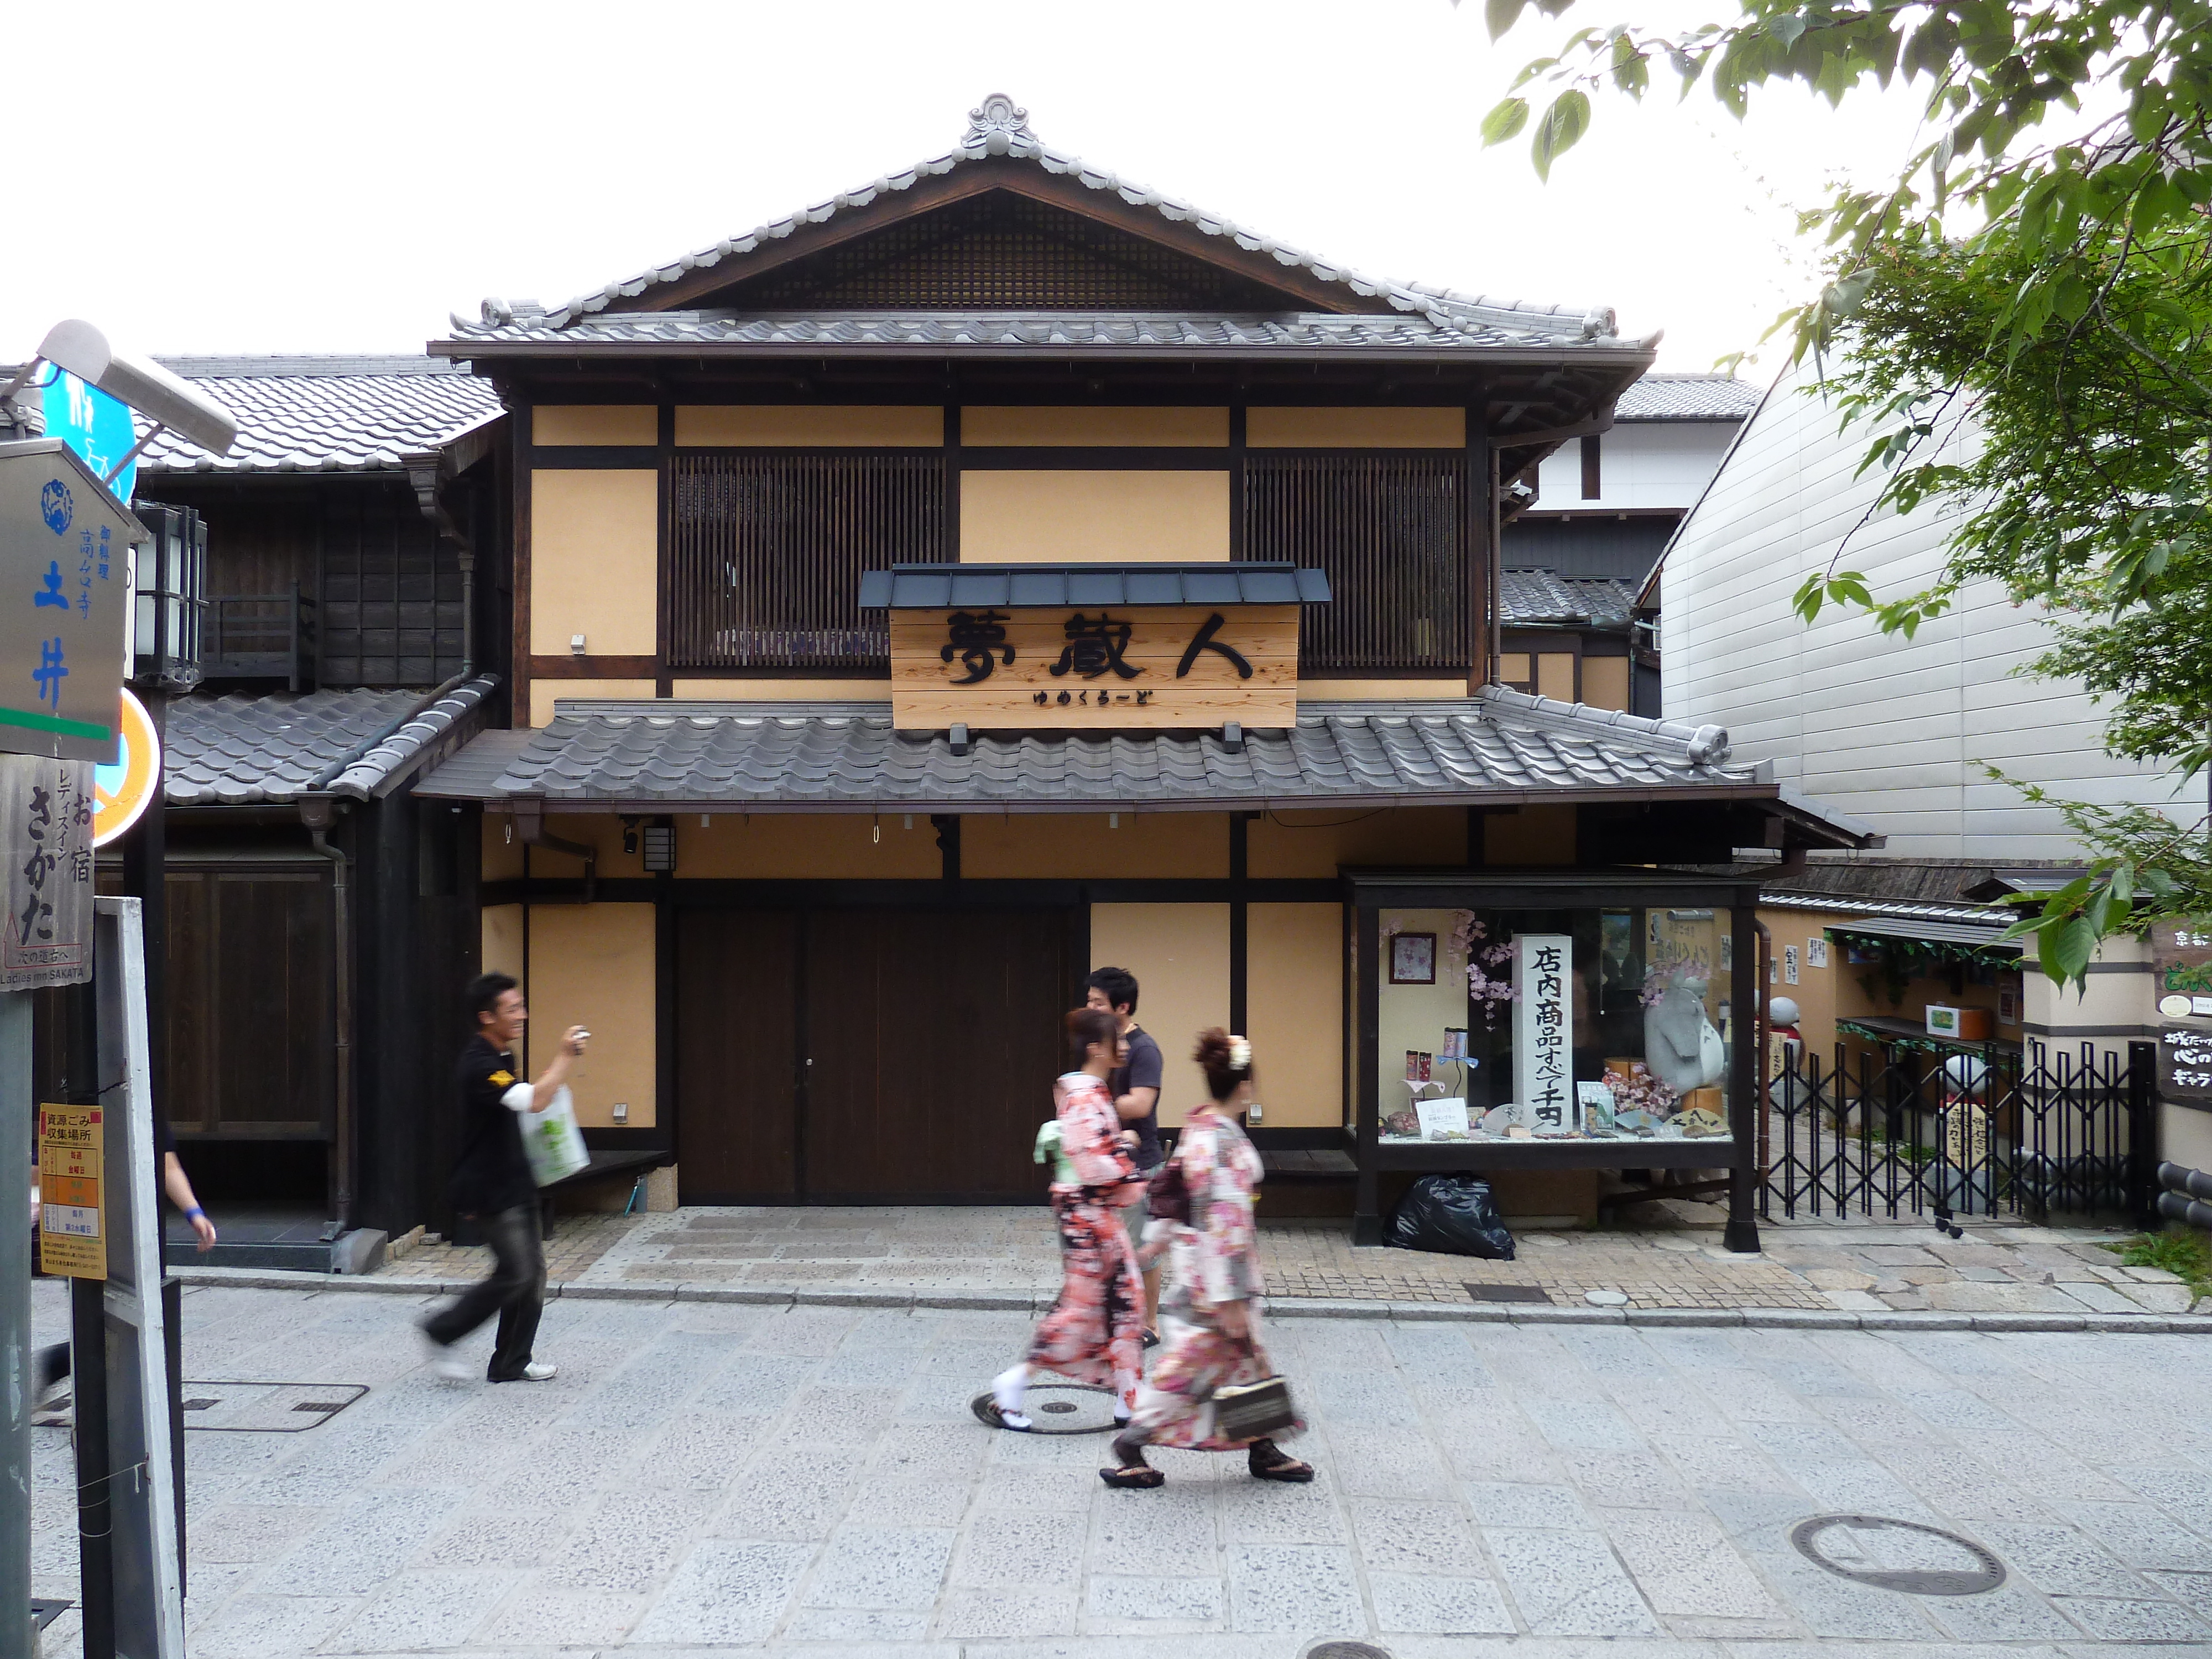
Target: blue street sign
(94,425)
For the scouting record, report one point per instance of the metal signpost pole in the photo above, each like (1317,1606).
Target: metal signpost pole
(15,1130)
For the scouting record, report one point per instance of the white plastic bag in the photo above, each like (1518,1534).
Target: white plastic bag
(552,1141)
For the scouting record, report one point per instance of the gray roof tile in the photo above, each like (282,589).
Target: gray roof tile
(846,757)
(1537,596)
(241,750)
(999,128)
(326,413)
(1688,397)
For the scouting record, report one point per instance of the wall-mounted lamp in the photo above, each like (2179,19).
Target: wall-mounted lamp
(575,645)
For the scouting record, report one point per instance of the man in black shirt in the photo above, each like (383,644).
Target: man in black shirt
(1135,1086)
(492,1186)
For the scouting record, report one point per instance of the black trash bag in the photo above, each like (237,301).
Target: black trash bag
(1451,1214)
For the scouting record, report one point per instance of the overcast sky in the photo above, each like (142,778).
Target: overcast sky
(318,177)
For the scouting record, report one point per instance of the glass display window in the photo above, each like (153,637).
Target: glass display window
(1579,1023)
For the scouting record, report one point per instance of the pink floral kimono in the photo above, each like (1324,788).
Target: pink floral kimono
(1095,1332)
(1214,1259)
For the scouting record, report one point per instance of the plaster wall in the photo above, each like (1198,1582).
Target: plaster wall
(613,424)
(1315,844)
(1294,1003)
(1529,834)
(797,425)
(764,689)
(545,693)
(1322,689)
(1355,428)
(593,560)
(1605,682)
(594,965)
(1080,846)
(1642,464)
(1180,955)
(807,846)
(1029,518)
(1099,424)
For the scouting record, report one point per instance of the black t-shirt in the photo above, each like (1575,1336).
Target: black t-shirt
(1144,1070)
(493,1173)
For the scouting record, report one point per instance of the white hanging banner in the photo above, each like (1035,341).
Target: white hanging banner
(1543,1034)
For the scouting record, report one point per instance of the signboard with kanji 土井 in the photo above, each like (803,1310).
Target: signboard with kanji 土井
(64,596)
(72,1240)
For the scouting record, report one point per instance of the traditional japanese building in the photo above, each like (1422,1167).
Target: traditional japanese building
(1001,570)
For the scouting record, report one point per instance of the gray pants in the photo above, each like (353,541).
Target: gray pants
(516,1291)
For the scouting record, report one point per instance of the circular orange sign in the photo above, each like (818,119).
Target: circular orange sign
(122,791)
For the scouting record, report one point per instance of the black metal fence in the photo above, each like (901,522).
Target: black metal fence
(1899,1132)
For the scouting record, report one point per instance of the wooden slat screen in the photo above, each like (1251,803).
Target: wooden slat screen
(1390,529)
(767,550)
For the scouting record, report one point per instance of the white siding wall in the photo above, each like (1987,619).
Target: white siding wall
(1890,730)
(1640,464)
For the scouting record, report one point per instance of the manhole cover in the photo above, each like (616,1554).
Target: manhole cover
(1077,1408)
(1897,1555)
(1344,1650)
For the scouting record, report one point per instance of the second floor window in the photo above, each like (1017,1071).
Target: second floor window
(767,549)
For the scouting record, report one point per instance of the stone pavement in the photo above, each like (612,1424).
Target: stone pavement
(710,1478)
(1675,1262)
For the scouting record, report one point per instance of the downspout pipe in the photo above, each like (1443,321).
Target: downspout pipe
(529,814)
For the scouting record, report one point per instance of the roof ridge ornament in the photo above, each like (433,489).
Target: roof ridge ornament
(997,126)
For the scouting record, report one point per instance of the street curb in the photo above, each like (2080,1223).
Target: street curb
(765,1296)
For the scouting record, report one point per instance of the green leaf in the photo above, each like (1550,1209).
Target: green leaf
(2065,951)
(1562,127)
(1510,115)
(1502,15)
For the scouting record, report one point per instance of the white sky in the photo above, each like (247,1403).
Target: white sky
(316,178)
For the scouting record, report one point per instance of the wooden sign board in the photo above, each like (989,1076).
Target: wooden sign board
(2181,988)
(72,1235)
(1131,667)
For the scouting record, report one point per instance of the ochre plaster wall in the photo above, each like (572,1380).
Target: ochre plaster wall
(1294,1001)
(1102,425)
(594,965)
(543,693)
(503,953)
(503,848)
(772,425)
(1016,518)
(592,560)
(807,846)
(1529,834)
(779,690)
(1292,844)
(621,424)
(1180,955)
(1314,689)
(1555,675)
(1355,428)
(1605,682)
(1080,846)
(1818,989)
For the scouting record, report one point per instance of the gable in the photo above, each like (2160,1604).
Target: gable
(1001,251)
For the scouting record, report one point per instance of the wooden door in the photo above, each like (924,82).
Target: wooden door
(737,1048)
(933,1038)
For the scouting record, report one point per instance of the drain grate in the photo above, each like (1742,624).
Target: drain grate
(1089,1410)
(1058,1407)
(1507,1293)
(1903,1556)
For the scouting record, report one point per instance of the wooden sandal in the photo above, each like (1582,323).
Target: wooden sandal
(1133,1474)
(1268,1462)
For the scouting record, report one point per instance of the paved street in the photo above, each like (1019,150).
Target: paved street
(705,1477)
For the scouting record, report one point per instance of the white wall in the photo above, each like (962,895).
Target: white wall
(1640,464)
(1889,730)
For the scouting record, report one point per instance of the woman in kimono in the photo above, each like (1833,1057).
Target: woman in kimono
(1095,1332)
(1211,1308)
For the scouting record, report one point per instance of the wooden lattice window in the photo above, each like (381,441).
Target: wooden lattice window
(1391,532)
(767,550)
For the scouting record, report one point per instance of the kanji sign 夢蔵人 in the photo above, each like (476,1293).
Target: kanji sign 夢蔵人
(1140,667)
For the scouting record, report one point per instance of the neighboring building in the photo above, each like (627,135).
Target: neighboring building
(1901,733)
(787,508)
(1579,547)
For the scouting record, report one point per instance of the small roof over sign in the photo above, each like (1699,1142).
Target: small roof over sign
(1047,586)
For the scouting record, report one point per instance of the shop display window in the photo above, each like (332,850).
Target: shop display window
(1583,1023)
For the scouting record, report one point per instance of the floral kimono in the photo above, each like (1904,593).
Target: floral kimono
(1214,1259)
(1095,1332)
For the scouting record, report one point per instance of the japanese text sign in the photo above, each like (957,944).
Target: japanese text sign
(64,595)
(1544,1095)
(72,1240)
(1148,667)
(45,838)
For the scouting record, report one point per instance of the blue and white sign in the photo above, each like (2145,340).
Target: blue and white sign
(95,425)
(65,594)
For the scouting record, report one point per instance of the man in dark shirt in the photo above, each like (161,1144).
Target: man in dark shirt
(492,1186)
(1135,1086)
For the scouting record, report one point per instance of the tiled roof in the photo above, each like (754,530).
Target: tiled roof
(326,413)
(241,751)
(1966,923)
(1496,747)
(999,128)
(982,333)
(1688,397)
(935,587)
(1545,596)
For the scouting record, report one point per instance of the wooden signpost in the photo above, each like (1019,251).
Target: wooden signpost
(1127,668)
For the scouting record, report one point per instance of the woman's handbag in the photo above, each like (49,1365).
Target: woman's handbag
(1253,1411)
(1167,1195)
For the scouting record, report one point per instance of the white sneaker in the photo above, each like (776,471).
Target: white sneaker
(445,1360)
(537,1370)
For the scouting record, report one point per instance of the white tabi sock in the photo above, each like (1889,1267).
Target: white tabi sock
(1007,1388)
